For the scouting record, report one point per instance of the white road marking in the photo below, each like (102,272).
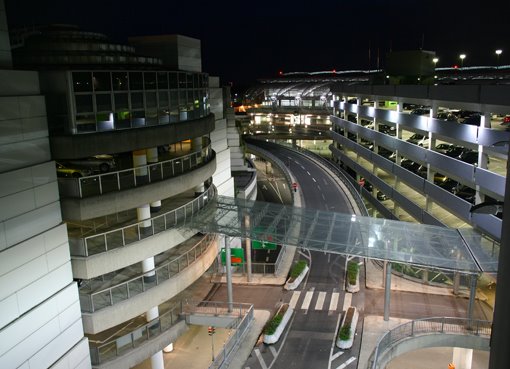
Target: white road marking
(302,167)
(273,351)
(307,300)
(314,179)
(308,173)
(318,187)
(320,301)
(347,301)
(333,304)
(333,342)
(323,196)
(294,299)
(261,360)
(351,359)
(336,356)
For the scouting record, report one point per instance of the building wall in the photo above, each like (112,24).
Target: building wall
(5,49)
(222,177)
(40,324)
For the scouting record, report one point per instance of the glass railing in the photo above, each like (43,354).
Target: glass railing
(441,325)
(119,346)
(100,184)
(96,300)
(115,238)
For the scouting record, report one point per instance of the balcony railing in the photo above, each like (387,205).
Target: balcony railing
(100,184)
(427,326)
(119,346)
(94,301)
(115,238)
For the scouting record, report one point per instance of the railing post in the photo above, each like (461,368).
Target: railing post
(134,176)
(105,242)
(100,184)
(118,180)
(79,188)
(111,297)
(123,237)
(139,232)
(412,328)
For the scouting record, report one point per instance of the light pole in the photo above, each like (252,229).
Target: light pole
(435,60)
(462,57)
(498,53)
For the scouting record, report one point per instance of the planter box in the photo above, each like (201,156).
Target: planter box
(273,338)
(353,288)
(292,285)
(353,314)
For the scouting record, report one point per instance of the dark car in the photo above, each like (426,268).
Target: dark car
(384,152)
(465,192)
(409,165)
(381,196)
(455,151)
(420,111)
(447,184)
(506,120)
(450,117)
(389,130)
(416,138)
(473,120)
(443,147)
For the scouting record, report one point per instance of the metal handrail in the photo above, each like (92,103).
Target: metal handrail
(215,307)
(99,184)
(437,325)
(118,346)
(97,300)
(135,232)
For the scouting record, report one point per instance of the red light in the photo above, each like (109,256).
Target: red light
(456,66)
(280,73)
(334,70)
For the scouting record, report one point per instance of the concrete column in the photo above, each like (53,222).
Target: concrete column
(228,267)
(157,361)
(148,270)
(387,291)
(248,248)
(462,358)
(152,158)
(472,295)
(456,283)
(485,120)
(140,160)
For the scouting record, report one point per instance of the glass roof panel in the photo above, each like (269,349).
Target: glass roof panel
(418,244)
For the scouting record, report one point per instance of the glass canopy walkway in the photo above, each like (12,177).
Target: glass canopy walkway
(461,250)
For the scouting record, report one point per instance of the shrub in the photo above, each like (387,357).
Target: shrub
(271,326)
(298,268)
(352,272)
(345,333)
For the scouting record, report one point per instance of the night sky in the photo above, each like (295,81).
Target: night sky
(243,41)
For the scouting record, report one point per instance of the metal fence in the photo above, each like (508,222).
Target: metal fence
(439,325)
(115,238)
(96,300)
(119,346)
(124,179)
(221,360)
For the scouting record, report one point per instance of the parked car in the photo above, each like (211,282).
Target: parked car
(420,111)
(381,196)
(465,192)
(447,184)
(69,172)
(506,120)
(473,120)
(418,139)
(387,129)
(99,163)
(444,147)
(455,151)
(409,165)
(448,116)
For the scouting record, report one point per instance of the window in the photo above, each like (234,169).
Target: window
(103,102)
(84,103)
(121,102)
(120,81)
(162,81)
(82,81)
(149,80)
(136,100)
(101,81)
(163,99)
(135,81)
(150,100)
(173,80)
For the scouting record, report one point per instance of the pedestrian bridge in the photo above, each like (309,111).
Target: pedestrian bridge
(423,245)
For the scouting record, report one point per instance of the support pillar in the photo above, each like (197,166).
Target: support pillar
(472,295)
(228,267)
(196,145)
(456,283)
(248,248)
(462,358)
(157,361)
(387,290)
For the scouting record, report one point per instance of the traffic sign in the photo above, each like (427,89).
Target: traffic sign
(236,256)
(258,243)
(294,186)
(211,330)
(361,182)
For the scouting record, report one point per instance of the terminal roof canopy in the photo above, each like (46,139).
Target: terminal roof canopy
(340,233)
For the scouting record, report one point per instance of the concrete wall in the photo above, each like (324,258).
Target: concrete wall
(94,266)
(5,47)
(125,310)
(433,340)
(113,202)
(222,177)
(40,322)
(84,145)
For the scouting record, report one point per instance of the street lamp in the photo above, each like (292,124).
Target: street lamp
(462,57)
(435,60)
(498,53)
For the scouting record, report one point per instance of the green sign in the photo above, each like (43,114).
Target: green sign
(236,256)
(262,245)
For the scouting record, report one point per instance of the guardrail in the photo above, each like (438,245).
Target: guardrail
(438,325)
(112,239)
(221,360)
(215,308)
(119,346)
(94,301)
(133,177)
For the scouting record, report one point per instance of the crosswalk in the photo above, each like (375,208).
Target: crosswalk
(301,300)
